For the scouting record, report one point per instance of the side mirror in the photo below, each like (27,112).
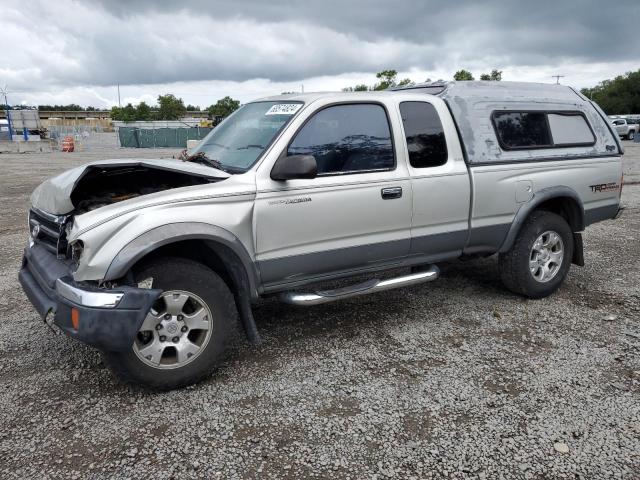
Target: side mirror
(294,166)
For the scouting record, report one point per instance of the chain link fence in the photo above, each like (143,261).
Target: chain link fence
(159,137)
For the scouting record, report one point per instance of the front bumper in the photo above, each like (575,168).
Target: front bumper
(108,319)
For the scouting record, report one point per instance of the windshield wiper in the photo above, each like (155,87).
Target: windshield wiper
(201,157)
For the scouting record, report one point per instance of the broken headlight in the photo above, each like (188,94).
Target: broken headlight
(76,249)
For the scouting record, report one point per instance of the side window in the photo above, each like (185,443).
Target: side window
(522,129)
(424,134)
(570,129)
(347,138)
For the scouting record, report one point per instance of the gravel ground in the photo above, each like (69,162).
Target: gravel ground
(454,379)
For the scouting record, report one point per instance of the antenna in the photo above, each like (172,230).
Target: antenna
(557,77)
(3,92)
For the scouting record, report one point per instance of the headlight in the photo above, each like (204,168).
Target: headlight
(77,248)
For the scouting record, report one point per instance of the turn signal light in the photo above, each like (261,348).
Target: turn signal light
(75,318)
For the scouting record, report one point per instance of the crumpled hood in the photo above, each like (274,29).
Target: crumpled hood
(54,195)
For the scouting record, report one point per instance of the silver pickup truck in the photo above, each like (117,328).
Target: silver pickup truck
(625,128)
(153,261)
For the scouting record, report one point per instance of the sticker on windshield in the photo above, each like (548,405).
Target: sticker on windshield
(284,109)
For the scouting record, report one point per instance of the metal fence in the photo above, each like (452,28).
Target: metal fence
(159,137)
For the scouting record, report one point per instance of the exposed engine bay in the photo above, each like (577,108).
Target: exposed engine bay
(102,185)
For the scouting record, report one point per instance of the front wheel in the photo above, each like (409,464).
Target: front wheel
(539,260)
(184,335)
(631,135)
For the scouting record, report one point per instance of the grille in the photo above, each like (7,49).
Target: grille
(49,231)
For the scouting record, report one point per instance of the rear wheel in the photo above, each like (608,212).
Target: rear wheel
(185,333)
(631,135)
(539,260)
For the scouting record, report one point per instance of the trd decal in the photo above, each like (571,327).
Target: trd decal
(287,201)
(605,187)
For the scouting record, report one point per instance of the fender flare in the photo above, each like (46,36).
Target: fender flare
(538,198)
(176,232)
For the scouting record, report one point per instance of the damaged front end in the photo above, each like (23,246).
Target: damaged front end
(104,316)
(97,184)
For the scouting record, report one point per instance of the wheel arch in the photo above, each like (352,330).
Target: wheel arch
(225,247)
(561,200)
(213,246)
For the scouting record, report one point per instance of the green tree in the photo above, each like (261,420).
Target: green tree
(171,107)
(405,82)
(495,75)
(358,88)
(143,111)
(620,96)
(387,79)
(193,108)
(461,75)
(124,114)
(223,107)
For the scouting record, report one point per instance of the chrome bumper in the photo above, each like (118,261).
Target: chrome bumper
(88,298)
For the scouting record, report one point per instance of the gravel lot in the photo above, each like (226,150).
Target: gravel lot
(454,379)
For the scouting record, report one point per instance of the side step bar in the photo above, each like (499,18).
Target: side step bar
(365,288)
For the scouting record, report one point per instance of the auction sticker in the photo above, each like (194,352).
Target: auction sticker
(284,109)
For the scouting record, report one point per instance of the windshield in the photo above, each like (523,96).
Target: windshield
(240,140)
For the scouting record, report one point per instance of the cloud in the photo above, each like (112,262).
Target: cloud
(68,45)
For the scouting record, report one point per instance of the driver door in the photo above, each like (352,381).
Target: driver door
(356,214)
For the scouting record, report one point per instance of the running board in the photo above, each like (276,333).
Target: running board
(365,288)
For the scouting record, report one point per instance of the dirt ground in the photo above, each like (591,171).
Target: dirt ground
(454,379)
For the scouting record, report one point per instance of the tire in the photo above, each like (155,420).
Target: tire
(535,273)
(175,361)
(631,135)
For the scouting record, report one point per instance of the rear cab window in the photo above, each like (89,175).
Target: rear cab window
(424,135)
(525,130)
(347,138)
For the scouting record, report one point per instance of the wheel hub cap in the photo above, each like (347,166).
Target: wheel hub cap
(547,254)
(175,331)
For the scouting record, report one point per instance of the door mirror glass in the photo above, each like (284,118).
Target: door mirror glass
(294,166)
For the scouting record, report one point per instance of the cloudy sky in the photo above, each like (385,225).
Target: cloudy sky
(68,51)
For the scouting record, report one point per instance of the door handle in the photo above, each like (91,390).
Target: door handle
(391,192)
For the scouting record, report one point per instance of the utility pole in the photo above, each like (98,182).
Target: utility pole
(119,106)
(557,77)
(3,91)
(302,86)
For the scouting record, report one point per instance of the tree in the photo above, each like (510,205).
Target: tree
(387,79)
(495,75)
(462,75)
(171,107)
(193,108)
(620,96)
(143,111)
(405,82)
(224,107)
(358,88)
(124,114)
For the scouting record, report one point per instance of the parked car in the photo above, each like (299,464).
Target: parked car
(152,261)
(625,128)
